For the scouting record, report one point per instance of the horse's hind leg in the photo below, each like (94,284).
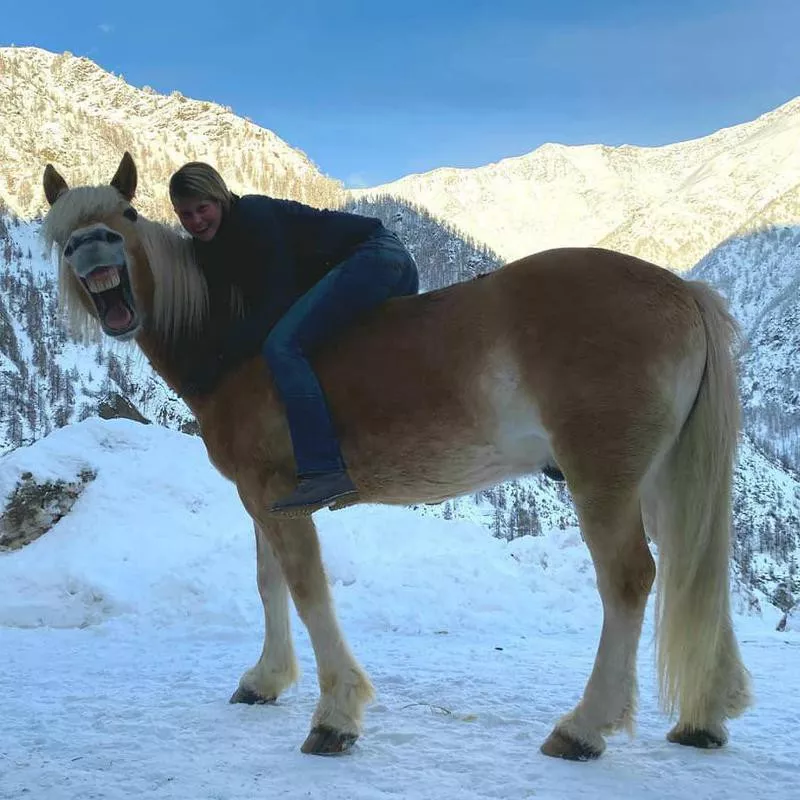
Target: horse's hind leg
(344,687)
(276,670)
(612,527)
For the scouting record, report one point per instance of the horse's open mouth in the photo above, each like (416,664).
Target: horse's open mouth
(110,290)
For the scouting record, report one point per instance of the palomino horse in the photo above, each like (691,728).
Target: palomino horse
(614,369)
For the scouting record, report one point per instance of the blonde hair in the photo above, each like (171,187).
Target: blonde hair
(199,180)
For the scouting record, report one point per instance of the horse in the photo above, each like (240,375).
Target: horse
(615,372)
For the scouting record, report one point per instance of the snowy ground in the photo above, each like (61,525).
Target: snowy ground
(125,629)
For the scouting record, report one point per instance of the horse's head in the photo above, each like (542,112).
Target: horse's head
(95,231)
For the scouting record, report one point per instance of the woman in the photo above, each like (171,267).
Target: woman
(302,275)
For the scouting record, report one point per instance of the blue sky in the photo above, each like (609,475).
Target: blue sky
(373,91)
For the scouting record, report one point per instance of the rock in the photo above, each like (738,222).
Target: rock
(115,406)
(33,507)
(790,621)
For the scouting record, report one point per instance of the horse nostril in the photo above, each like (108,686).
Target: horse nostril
(111,236)
(68,251)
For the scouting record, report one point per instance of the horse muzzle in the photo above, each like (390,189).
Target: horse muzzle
(98,259)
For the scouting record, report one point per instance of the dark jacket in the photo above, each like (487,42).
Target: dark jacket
(273,251)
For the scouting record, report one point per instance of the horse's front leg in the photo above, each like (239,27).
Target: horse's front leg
(344,687)
(276,670)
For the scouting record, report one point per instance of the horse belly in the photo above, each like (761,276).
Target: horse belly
(491,432)
(463,469)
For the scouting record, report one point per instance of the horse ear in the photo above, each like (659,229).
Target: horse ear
(124,180)
(54,184)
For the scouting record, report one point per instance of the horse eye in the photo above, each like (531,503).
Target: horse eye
(130,213)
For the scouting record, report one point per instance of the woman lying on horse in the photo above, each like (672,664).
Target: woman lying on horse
(299,276)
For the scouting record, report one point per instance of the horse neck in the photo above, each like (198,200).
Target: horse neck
(170,301)
(161,359)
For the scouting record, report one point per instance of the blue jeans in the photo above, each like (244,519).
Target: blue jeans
(379,269)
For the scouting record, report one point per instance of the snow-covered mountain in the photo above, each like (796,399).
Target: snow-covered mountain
(760,275)
(70,112)
(670,204)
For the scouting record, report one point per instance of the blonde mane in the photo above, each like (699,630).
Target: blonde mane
(180,297)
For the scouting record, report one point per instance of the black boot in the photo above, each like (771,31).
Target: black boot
(314,492)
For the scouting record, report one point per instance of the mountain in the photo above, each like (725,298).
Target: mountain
(70,112)
(444,255)
(670,204)
(760,276)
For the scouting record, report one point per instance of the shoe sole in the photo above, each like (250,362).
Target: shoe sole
(333,504)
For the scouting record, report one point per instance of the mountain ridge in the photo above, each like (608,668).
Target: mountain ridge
(71,99)
(630,198)
(671,203)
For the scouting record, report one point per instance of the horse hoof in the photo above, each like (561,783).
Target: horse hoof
(326,741)
(248,696)
(559,745)
(695,737)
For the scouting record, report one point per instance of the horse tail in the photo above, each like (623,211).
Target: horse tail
(699,666)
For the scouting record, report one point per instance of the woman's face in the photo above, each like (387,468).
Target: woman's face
(200,216)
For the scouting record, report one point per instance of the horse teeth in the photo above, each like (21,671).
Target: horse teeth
(109,280)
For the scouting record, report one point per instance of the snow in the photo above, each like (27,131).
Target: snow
(124,630)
